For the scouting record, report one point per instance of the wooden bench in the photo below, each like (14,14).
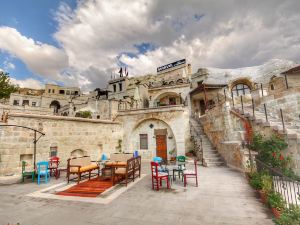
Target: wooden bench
(129,172)
(81,165)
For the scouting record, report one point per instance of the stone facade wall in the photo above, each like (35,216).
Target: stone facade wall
(93,137)
(226,133)
(175,119)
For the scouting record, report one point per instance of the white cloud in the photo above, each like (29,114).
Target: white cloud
(9,65)
(95,36)
(40,58)
(28,83)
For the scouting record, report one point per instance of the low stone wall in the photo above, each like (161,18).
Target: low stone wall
(77,135)
(225,132)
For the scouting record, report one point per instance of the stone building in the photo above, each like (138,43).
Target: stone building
(152,114)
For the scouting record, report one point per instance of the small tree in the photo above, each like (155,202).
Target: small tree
(6,87)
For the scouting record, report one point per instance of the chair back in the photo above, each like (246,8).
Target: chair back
(181,158)
(137,162)
(42,166)
(154,169)
(104,157)
(130,166)
(54,162)
(195,163)
(157,159)
(135,154)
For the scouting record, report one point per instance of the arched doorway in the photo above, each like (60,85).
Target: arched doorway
(168,98)
(55,105)
(153,137)
(78,153)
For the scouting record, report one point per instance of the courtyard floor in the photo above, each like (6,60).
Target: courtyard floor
(223,197)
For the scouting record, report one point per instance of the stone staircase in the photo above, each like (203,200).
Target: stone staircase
(209,154)
(292,128)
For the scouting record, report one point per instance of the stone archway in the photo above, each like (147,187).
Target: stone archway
(55,105)
(168,98)
(78,153)
(146,134)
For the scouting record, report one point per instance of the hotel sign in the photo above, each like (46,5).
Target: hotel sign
(171,65)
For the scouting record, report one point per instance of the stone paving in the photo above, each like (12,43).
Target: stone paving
(223,197)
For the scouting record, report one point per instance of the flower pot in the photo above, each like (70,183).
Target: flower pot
(276,212)
(263,196)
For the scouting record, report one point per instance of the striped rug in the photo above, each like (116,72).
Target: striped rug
(90,188)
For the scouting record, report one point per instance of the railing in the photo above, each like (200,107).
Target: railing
(286,186)
(127,107)
(200,150)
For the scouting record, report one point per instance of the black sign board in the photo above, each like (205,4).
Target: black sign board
(171,65)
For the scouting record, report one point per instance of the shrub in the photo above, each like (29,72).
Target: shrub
(275,200)
(290,216)
(255,181)
(266,181)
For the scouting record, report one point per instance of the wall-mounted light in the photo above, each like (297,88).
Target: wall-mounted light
(151,125)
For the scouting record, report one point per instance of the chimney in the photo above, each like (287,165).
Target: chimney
(189,69)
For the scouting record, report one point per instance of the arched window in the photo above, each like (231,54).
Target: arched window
(240,89)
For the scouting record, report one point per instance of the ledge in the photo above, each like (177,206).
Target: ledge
(65,118)
(160,109)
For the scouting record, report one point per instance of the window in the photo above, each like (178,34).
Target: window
(240,89)
(272,87)
(120,86)
(143,141)
(16,102)
(33,104)
(68,92)
(49,90)
(53,91)
(62,92)
(76,92)
(115,88)
(53,151)
(172,101)
(25,102)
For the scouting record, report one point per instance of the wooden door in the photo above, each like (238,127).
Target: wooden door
(161,146)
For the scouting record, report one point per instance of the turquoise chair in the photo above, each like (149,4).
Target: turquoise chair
(104,157)
(43,171)
(157,159)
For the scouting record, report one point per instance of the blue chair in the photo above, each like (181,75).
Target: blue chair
(135,154)
(157,159)
(104,157)
(42,170)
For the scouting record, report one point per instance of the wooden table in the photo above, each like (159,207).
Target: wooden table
(112,165)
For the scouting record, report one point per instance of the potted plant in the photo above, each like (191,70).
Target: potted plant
(266,188)
(255,181)
(172,155)
(277,203)
(290,216)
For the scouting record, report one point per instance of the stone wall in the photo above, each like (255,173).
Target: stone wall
(226,132)
(91,137)
(173,118)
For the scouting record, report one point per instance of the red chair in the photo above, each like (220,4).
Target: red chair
(53,166)
(158,177)
(191,174)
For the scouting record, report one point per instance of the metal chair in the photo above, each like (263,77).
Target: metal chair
(158,177)
(53,166)
(190,174)
(42,170)
(26,173)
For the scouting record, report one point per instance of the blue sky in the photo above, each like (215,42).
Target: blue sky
(33,19)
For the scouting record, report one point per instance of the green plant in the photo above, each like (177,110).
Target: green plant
(84,114)
(6,87)
(270,151)
(255,181)
(275,200)
(172,152)
(290,216)
(266,181)
(119,147)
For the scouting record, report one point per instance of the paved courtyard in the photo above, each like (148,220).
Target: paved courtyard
(223,197)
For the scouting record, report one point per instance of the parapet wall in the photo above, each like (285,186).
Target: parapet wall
(69,135)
